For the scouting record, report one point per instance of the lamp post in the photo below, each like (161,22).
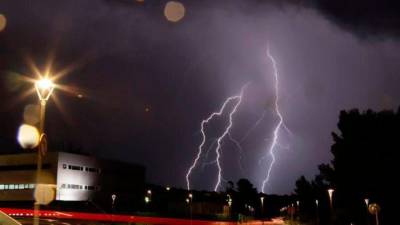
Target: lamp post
(113,197)
(190,197)
(262,205)
(317,210)
(366,200)
(330,193)
(44,88)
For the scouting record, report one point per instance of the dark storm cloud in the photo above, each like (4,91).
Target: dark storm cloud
(147,83)
(366,18)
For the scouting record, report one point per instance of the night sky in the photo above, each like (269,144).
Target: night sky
(140,85)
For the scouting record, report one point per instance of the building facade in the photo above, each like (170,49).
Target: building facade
(73,177)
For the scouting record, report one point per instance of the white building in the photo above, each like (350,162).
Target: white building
(73,177)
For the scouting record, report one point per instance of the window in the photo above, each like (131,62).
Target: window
(73,167)
(11,186)
(1,186)
(74,186)
(93,170)
(26,186)
(91,188)
(20,186)
(64,166)
(31,186)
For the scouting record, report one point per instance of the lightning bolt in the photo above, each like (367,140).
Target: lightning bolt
(280,124)
(237,99)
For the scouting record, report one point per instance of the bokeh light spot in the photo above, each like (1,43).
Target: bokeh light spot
(44,194)
(31,114)
(174,11)
(28,136)
(3,22)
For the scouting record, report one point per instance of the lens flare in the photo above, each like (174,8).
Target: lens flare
(28,136)
(3,22)
(174,11)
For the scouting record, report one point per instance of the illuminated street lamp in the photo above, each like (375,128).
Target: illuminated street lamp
(366,202)
(44,88)
(262,204)
(317,210)
(330,193)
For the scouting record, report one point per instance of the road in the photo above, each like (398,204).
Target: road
(49,217)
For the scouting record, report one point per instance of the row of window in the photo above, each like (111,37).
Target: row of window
(81,168)
(80,187)
(16,186)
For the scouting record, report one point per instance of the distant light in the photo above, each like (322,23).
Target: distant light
(28,136)
(146,199)
(149,192)
(147,109)
(174,11)
(3,22)
(167,188)
(190,195)
(79,96)
(330,192)
(187,200)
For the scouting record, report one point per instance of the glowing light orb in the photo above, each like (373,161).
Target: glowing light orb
(3,22)
(44,194)
(28,136)
(174,11)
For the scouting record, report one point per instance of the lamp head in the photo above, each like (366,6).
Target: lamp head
(44,88)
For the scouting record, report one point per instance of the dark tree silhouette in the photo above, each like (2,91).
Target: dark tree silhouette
(365,156)
(246,195)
